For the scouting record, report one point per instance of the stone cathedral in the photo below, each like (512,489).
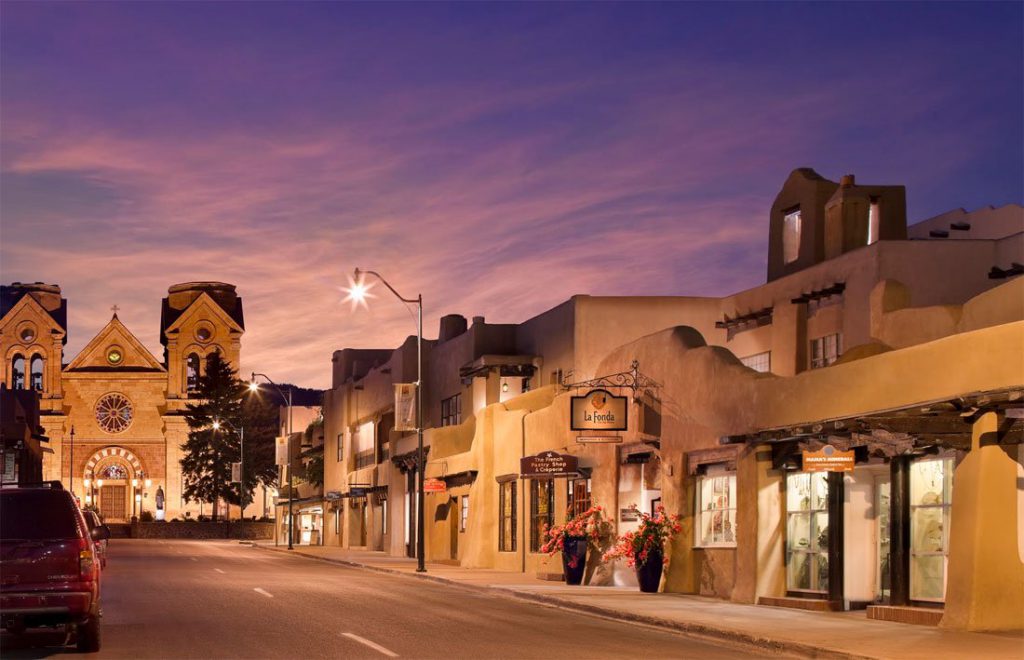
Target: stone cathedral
(114,413)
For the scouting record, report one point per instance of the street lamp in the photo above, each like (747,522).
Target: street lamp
(72,461)
(358,292)
(253,387)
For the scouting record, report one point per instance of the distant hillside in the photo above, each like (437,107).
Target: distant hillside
(301,396)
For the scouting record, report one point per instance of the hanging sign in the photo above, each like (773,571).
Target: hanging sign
(405,406)
(548,464)
(434,486)
(599,410)
(828,459)
(332,495)
(281,450)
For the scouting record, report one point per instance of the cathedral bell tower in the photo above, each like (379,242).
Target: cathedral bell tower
(198,318)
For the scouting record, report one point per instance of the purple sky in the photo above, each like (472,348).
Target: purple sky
(497,158)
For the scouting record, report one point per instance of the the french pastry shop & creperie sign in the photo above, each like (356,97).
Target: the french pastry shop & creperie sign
(599,410)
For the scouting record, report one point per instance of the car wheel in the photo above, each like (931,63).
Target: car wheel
(89,635)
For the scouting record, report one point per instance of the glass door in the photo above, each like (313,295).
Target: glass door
(807,532)
(931,498)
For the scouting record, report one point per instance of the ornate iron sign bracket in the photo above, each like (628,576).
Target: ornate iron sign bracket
(632,379)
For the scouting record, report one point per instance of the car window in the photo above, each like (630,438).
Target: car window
(37,515)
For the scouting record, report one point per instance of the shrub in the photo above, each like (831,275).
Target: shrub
(146,516)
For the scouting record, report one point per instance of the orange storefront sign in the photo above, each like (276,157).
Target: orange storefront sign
(828,459)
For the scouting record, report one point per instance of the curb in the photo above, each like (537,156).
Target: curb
(697,629)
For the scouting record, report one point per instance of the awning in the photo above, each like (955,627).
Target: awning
(906,430)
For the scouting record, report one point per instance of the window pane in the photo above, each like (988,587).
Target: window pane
(791,236)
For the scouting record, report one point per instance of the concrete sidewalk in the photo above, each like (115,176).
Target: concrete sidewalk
(821,634)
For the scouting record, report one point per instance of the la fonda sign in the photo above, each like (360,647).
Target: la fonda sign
(599,410)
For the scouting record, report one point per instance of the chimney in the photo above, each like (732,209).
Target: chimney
(452,325)
(478,319)
(846,181)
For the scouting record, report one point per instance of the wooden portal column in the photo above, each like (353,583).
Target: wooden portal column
(899,530)
(835,536)
(985,580)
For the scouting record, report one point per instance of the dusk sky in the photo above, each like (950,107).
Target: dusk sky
(497,158)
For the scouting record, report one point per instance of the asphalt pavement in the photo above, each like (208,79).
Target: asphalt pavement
(213,599)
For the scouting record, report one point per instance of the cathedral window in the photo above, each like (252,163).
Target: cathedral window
(204,333)
(192,372)
(36,370)
(115,355)
(114,413)
(28,334)
(18,372)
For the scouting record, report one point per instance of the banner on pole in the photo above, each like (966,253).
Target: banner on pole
(281,450)
(236,473)
(405,406)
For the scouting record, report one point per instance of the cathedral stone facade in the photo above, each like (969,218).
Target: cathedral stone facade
(114,414)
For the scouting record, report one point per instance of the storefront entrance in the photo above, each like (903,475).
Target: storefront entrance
(878,534)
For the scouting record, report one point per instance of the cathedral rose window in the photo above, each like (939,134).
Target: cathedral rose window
(114,413)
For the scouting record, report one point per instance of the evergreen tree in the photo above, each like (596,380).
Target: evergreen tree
(209,452)
(206,465)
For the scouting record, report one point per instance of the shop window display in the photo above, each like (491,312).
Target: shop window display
(931,496)
(716,507)
(807,532)
(882,507)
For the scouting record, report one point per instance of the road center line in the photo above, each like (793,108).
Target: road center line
(263,593)
(193,559)
(219,571)
(376,647)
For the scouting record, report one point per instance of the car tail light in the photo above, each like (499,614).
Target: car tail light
(86,560)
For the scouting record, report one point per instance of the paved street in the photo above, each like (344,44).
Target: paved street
(206,599)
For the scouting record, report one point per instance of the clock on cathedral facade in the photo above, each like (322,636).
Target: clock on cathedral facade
(123,404)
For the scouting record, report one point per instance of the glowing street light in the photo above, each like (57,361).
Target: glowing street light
(358,292)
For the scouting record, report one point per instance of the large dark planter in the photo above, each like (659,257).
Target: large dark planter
(574,558)
(648,574)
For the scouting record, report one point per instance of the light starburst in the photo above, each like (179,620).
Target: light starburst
(357,292)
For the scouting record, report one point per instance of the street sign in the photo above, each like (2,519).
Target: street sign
(332,495)
(828,459)
(548,464)
(434,486)
(599,410)
(405,406)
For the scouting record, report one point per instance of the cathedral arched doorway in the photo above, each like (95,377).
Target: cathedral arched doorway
(112,476)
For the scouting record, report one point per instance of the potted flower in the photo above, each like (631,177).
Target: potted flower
(644,549)
(583,531)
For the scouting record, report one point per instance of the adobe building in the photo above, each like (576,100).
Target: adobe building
(893,346)
(114,413)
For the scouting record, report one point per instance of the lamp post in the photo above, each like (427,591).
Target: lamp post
(254,386)
(71,468)
(358,293)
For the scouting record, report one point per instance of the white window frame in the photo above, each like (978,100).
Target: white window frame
(825,359)
(702,509)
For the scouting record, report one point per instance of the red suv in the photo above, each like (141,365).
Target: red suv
(49,572)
